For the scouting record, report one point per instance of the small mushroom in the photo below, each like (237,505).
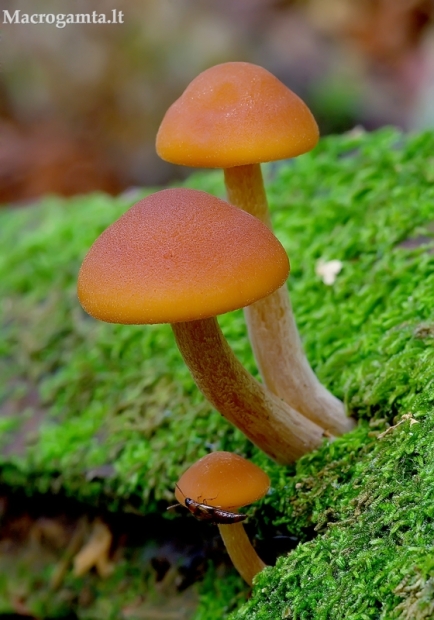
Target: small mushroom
(182,256)
(235,116)
(226,482)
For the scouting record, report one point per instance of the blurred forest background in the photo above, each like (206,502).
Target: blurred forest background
(80,106)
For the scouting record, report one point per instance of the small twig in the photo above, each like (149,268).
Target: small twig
(95,552)
(406,417)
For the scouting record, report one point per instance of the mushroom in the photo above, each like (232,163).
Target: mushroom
(181,256)
(225,481)
(235,116)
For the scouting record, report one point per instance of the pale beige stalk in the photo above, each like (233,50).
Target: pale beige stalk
(272,330)
(240,550)
(270,423)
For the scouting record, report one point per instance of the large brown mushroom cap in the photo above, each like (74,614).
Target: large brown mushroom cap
(179,255)
(223,479)
(235,114)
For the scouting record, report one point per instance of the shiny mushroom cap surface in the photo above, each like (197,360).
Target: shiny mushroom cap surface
(224,480)
(179,255)
(235,114)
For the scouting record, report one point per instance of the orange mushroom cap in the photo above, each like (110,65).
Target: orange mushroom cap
(223,479)
(235,114)
(179,255)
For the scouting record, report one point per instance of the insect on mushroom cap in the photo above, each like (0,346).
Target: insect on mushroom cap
(234,114)
(223,479)
(179,255)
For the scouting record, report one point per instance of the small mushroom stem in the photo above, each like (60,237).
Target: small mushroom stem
(240,550)
(272,329)
(269,422)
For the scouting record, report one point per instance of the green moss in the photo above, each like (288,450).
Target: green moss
(113,416)
(375,542)
(219,595)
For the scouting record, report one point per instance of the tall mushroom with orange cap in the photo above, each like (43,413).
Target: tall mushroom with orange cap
(227,482)
(235,116)
(182,257)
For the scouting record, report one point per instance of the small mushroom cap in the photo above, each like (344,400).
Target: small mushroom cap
(179,255)
(235,114)
(223,479)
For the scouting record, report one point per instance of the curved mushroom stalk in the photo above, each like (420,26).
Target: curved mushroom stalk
(271,424)
(241,551)
(272,329)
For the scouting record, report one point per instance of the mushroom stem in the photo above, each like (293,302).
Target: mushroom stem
(245,189)
(271,424)
(272,329)
(240,550)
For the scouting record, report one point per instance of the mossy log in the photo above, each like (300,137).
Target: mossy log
(108,414)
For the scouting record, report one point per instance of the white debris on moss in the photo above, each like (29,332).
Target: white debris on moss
(328,270)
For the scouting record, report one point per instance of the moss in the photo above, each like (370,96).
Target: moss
(112,415)
(218,596)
